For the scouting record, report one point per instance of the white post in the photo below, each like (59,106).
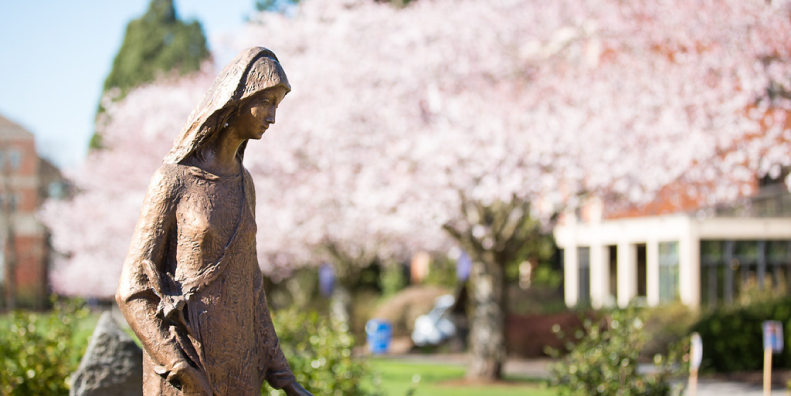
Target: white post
(600,279)
(652,272)
(627,273)
(689,264)
(571,273)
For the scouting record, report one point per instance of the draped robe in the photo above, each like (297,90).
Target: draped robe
(191,288)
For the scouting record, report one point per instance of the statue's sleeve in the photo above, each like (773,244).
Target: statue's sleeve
(142,274)
(278,372)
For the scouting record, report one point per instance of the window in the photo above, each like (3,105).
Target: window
(642,270)
(14,158)
(777,259)
(13,202)
(584,279)
(668,271)
(613,264)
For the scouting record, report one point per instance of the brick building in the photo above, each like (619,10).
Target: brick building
(25,181)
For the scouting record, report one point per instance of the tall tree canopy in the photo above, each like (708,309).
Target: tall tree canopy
(157,43)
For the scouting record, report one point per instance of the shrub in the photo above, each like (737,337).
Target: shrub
(604,361)
(392,279)
(666,325)
(733,339)
(38,351)
(320,354)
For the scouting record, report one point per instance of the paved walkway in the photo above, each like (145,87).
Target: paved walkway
(536,368)
(722,388)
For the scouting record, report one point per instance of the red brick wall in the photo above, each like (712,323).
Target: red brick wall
(31,270)
(30,242)
(529,335)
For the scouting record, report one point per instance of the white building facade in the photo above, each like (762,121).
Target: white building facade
(669,258)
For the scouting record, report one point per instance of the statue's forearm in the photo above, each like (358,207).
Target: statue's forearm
(295,389)
(154,334)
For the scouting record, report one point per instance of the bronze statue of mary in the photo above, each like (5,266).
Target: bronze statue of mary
(191,288)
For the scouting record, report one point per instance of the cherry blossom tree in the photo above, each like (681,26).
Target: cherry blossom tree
(486,107)
(94,227)
(473,116)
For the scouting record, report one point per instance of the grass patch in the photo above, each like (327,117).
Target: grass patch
(397,377)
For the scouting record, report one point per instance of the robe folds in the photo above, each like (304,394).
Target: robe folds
(191,288)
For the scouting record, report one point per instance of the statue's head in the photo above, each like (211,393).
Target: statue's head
(263,73)
(252,72)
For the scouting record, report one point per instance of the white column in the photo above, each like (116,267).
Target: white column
(689,264)
(570,274)
(627,273)
(600,280)
(652,272)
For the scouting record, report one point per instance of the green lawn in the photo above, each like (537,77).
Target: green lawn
(396,378)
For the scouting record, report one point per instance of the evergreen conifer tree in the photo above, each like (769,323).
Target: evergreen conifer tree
(156,43)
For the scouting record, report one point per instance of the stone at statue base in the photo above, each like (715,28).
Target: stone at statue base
(112,365)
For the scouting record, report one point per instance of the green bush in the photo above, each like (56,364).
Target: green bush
(320,354)
(392,279)
(605,359)
(38,351)
(666,325)
(733,339)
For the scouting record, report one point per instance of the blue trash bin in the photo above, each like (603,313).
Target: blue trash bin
(379,332)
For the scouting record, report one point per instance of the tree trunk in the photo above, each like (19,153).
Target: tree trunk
(487,340)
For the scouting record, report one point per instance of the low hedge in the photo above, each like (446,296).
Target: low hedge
(733,339)
(39,351)
(319,351)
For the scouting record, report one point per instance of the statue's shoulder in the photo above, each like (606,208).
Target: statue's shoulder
(248,178)
(167,179)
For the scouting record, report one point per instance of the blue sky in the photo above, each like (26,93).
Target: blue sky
(54,56)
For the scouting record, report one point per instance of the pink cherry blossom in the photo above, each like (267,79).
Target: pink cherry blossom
(397,113)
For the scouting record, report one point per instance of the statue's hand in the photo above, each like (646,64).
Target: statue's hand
(192,381)
(295,389)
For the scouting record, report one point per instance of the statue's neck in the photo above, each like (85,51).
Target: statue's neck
(219,157)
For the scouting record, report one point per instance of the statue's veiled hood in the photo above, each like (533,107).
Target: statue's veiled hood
(252,71)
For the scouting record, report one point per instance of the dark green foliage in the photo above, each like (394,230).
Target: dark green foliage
(546,276)
(666,325)
(733,339)
(274,5)
(604,361)
(396,3)
(156,43)
(38,351)
(282,5)
(392,279)
(442,272)
(320,354)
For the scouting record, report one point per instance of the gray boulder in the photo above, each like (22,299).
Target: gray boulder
(112,365)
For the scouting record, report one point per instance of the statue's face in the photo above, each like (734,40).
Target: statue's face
(255,116)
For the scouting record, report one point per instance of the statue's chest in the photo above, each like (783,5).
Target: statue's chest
(209,211)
